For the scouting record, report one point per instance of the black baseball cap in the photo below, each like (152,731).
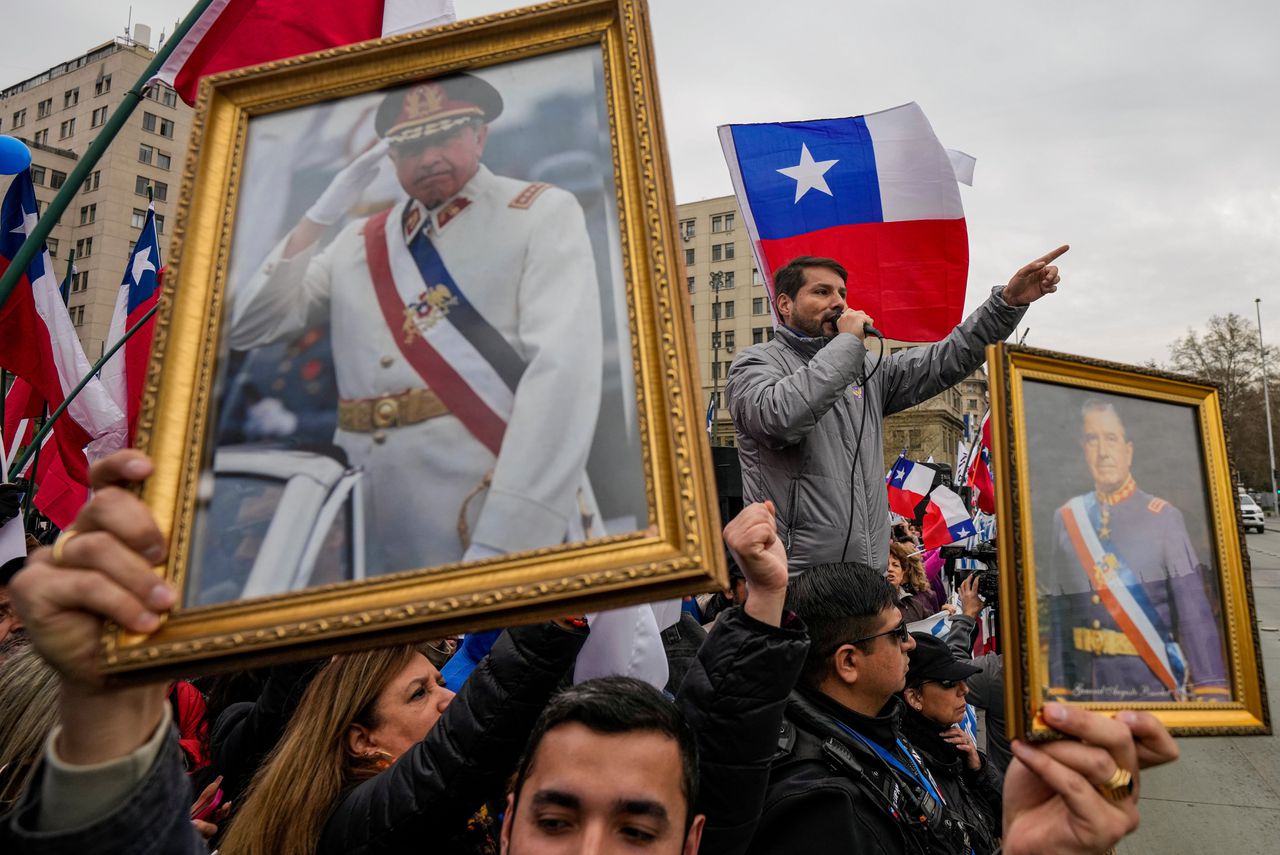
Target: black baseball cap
(932,659)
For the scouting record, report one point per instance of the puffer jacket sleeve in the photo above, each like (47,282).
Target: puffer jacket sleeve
(734,696)
(152,820)
(917,374)
(778,407)
(432,790)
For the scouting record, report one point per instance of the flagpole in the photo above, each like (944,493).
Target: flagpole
(35,240)
(84,381)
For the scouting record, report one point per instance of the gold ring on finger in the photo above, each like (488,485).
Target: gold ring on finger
(1119,786)
(60,544)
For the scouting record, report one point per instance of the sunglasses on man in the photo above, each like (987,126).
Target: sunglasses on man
(900,632)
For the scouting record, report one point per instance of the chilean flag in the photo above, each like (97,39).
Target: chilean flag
(908,483)
(38,343)
(124,373)
(946,519)
(234,34)
(979,477)
(877,193)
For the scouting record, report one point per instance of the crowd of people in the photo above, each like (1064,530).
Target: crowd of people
(802,714)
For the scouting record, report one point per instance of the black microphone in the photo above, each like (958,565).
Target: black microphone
(867,329)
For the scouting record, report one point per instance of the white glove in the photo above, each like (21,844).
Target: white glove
(345,188)
(270,418)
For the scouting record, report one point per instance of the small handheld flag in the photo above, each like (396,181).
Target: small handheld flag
(946,519)
(907,484)
(125,373)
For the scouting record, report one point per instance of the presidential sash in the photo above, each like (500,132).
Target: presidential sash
(1122,594)
(458,354)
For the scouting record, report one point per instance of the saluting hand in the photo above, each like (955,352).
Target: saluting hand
(1032,282)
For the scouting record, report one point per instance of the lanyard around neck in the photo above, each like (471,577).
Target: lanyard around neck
(920,776)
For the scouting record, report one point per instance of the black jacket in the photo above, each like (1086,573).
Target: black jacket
(986,690)
(973,794)
(433,789)
(245,732)
(830,793)
(153,820)
(733,697)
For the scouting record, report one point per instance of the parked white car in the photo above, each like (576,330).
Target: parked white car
(1251,512)
(276,520)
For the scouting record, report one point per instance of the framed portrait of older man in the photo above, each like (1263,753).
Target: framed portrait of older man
(421,364)
(1125,577)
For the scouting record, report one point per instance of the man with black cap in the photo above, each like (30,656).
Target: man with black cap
(466,337)
(934,706)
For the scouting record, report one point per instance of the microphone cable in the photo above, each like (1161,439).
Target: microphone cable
(862,424)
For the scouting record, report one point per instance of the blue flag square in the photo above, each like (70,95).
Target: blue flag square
(829,163)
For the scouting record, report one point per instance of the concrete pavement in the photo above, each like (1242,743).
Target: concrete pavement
(1223,795)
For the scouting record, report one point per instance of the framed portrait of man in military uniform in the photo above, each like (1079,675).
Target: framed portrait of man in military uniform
(423,365)
(1129,581)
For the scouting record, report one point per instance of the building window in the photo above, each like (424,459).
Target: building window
(70,98)
(139,218)
(715,370)
(757,306)
(159,224)
(169,97)
(159,188)
(166,128)
(41,137)
(44,108)
(99,117)
(80,282)
(727,280)
(77,315)
(688,256)
(756,278)
(722,310)
(728,340)
(51,244)
(145,153)
(757,335)
(722,223)
(690,282)
(715,341)
(150,121)
(728,252)
(19,118)
(162,160)
(37,174)
(56,178)
(88,213)
(84,247)
(91,182)
(103,85)
(67,129)
(687,230)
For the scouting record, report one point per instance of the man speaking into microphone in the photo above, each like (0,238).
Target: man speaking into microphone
(809,405)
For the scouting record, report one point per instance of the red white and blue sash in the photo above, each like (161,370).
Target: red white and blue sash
(458,354)
(1122,594)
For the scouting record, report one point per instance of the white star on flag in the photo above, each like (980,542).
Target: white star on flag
(29,219)
(141,264)
(899,474)
(808,173)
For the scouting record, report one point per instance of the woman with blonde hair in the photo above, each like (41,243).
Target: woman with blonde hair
(28,712)
(379,755)
(906,574)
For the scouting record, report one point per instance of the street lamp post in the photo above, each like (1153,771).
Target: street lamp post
(717,281)
(1266,403)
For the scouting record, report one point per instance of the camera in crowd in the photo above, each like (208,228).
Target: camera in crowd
(988,575)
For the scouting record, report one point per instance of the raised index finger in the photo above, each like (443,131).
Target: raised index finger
(1048,257)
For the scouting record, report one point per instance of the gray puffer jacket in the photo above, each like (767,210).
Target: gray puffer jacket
(797,405)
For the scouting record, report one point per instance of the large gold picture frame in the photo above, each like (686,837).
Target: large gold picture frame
(674,547)
(1066,430)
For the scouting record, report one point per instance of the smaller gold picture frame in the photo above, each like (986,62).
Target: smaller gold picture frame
(559,104)
(1124,574)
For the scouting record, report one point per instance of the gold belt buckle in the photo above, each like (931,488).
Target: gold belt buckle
(386,413)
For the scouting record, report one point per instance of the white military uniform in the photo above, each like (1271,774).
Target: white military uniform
(521,256)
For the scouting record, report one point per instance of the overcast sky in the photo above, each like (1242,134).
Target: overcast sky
(1146,134)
